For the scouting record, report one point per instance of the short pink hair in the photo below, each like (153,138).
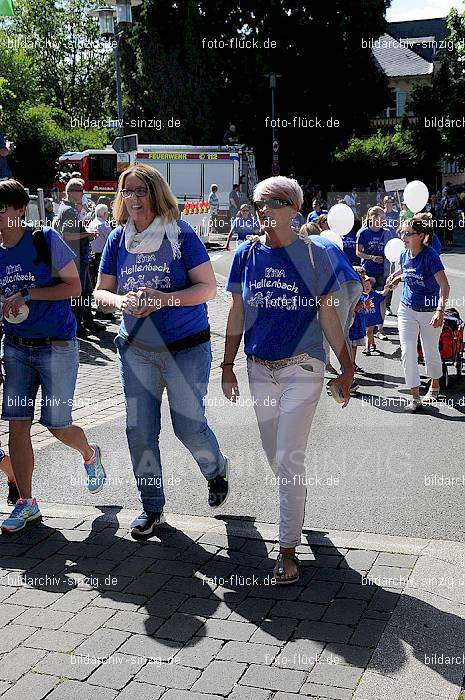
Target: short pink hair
(280,187)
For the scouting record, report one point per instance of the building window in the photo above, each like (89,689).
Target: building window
(401,101)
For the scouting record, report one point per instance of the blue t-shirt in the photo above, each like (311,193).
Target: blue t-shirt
(436,244)
(244,226)
(343,270)
(315,214)
(298,221)
(4,167)
(420,289)
(349,246)
(358,328)
(159,270)
(373,244)
(47,319)
(374,316)
(279,287)
(392,219)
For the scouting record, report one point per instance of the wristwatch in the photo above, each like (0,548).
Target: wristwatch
(25,294)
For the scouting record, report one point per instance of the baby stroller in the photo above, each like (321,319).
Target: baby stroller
(450,345)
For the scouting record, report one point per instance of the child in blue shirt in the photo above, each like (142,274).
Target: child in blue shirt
(374,313)
(357,330)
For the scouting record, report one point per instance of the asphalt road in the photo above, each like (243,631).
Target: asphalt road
(369,466)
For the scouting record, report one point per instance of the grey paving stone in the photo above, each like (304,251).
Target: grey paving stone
(82,550)
(402,560)
(206,607)
(64,666)
(146,584)
(133,566)
(154,649)
(187,695)
(346,654)
(359,559)
(344,611)
(299,610)
(299,654)
(169,675)
(248,652)
(367,633)
(140,691)
(219,677)
(223,541)
(74,600)
(102,643)
(54,640)
(373,685)
(195,587)
(5,591)
(251,610)
(13,635)
(272,678)
(116,674)
(164,603)
(96,565)
(4,686)
(88,620)
(134,622)
(18,661)
(120,601)
(154,550)
(9,612)
(326,560)
(323,631)
(221,572)
(341,575)
(180,627)
(277,592)
(73,690)
(231,596)
(274,631)
(389,576)
(320,591)
(335,675)
(44,618)
(172,567)
(224,629)
(241,692)
(356,591)
(121,550)
(239,557)
(418,661)
(325,691)
(198,652)
(257,547)
(32,598)
(384,601)
(32,686)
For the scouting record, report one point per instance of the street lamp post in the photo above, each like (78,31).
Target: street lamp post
(274,140)
(121,11)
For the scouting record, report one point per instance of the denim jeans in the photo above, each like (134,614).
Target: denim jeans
(184,374)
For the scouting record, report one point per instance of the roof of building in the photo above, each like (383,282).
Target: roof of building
(431,31)
(396,59)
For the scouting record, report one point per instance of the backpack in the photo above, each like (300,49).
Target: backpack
(43,253)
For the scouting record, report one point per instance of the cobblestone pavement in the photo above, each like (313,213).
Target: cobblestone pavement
(193,614)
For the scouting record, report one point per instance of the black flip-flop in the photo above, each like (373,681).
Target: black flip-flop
(280,579)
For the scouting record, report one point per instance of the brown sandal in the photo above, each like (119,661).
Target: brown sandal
(279,572)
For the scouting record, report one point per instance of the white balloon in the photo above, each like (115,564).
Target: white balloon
(341,219)
(416,195)
(333,237)
(393,249)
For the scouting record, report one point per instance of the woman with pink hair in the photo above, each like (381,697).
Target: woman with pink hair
(281,288)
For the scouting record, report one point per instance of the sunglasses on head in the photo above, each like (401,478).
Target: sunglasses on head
(272,203)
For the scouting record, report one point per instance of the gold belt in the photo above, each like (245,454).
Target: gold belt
(285,362)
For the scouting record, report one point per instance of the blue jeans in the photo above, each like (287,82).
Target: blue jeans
(54,368)
(184,374)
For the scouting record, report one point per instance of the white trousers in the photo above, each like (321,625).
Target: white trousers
(345,300)
(285,401)
(411,324)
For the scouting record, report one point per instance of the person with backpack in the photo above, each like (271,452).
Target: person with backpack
(156,270)
(38,277)
(281,287)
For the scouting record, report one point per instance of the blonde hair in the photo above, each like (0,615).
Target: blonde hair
(73,182)
(373,213)
(162,200)
(280,187)
(310,229)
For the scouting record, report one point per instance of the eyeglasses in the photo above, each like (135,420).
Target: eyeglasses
(138,192)
(407,234)
(272,203)
(75,189)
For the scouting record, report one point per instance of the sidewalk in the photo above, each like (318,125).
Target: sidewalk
(193,614)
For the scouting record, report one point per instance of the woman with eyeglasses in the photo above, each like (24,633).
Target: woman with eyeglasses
(421,310)
(243,225)
(281,289)
(156,270)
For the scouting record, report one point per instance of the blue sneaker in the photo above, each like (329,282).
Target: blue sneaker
(26,512)
(96,476)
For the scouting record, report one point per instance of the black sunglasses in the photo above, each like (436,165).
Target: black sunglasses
(272,204)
